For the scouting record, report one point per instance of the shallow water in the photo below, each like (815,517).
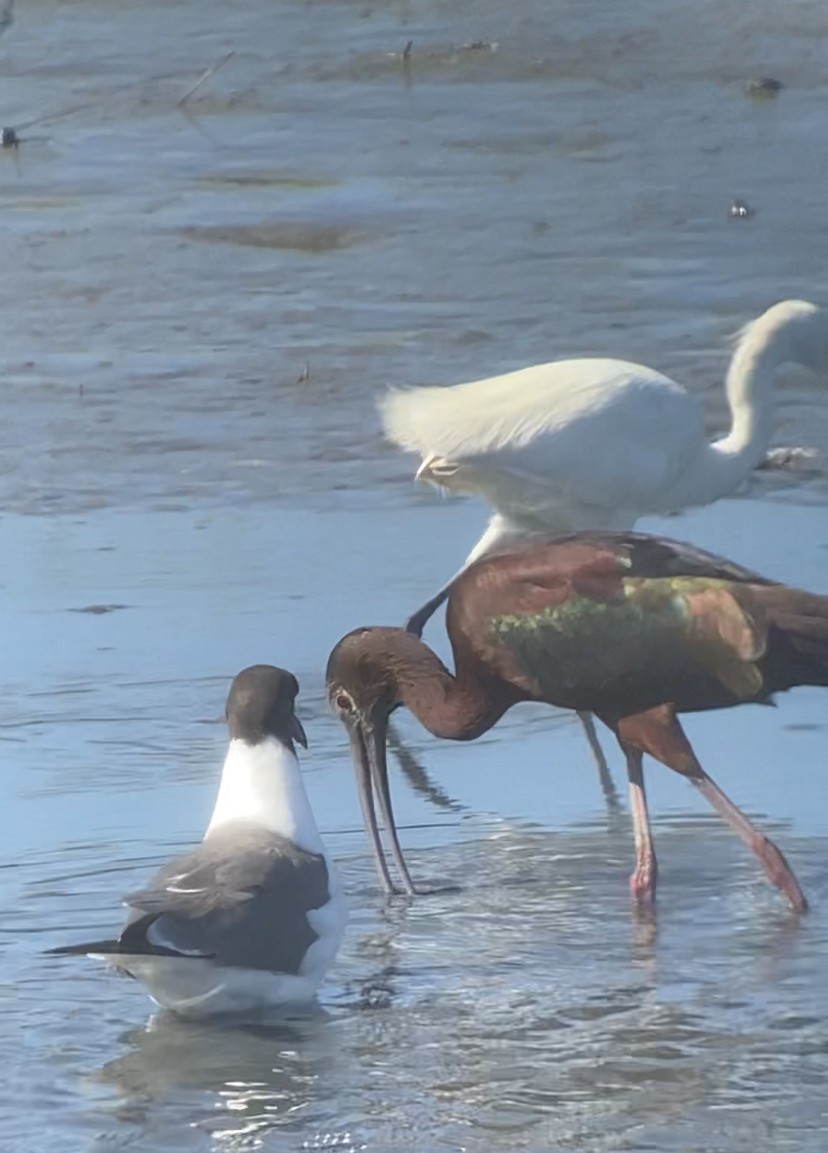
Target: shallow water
(196,315)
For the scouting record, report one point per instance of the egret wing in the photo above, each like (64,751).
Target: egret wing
(601,433)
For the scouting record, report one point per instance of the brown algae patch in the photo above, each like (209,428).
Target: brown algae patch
(297,235)
(268,180)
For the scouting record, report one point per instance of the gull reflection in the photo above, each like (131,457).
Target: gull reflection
(255,1077)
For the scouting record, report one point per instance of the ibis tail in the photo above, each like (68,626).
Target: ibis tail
(797,636)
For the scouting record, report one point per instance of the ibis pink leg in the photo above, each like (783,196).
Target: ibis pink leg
(658,732)
(771,857)
(643,880)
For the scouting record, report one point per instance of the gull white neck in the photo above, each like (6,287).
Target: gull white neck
(261,784)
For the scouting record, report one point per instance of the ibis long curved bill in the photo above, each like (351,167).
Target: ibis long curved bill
(368,751)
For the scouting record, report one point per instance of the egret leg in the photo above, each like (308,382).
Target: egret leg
(418,620)
(607,783)
(643,880)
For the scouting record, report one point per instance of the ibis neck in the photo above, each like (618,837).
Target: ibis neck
(457,708)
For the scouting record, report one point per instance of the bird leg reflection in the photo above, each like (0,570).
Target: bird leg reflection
(418,776)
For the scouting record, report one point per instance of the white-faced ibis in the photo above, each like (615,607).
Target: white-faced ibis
(252,918)
(631,628)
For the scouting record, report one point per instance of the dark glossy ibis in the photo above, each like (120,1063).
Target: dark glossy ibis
(631,628)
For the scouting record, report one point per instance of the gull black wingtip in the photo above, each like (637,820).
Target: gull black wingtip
(84,949)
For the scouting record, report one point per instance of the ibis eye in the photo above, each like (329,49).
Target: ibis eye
(343,701)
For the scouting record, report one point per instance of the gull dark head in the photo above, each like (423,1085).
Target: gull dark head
(261,703)
(363,678)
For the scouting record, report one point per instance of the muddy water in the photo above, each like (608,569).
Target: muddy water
(197,312)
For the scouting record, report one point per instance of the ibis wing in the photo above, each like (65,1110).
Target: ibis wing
(642,555)
(542,572)
(611,621)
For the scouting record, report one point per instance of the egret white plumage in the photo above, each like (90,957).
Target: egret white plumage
(595,443)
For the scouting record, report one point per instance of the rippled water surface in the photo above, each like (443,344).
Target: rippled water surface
(196,313)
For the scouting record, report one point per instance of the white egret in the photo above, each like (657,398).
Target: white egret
(596,443)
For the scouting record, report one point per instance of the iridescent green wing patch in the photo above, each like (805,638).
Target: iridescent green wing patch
(727,636)
(583,642)
(723,630)
(656,624)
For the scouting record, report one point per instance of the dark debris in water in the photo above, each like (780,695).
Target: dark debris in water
(480,46)
(765,88)
(790,458)
(374,995)
(99,610)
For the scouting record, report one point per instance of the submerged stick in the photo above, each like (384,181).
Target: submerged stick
(206,76)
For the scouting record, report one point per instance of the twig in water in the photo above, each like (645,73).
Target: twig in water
(10,137)
(206,76)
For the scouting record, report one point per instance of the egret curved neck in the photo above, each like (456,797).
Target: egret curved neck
(788,333)
(749,390)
